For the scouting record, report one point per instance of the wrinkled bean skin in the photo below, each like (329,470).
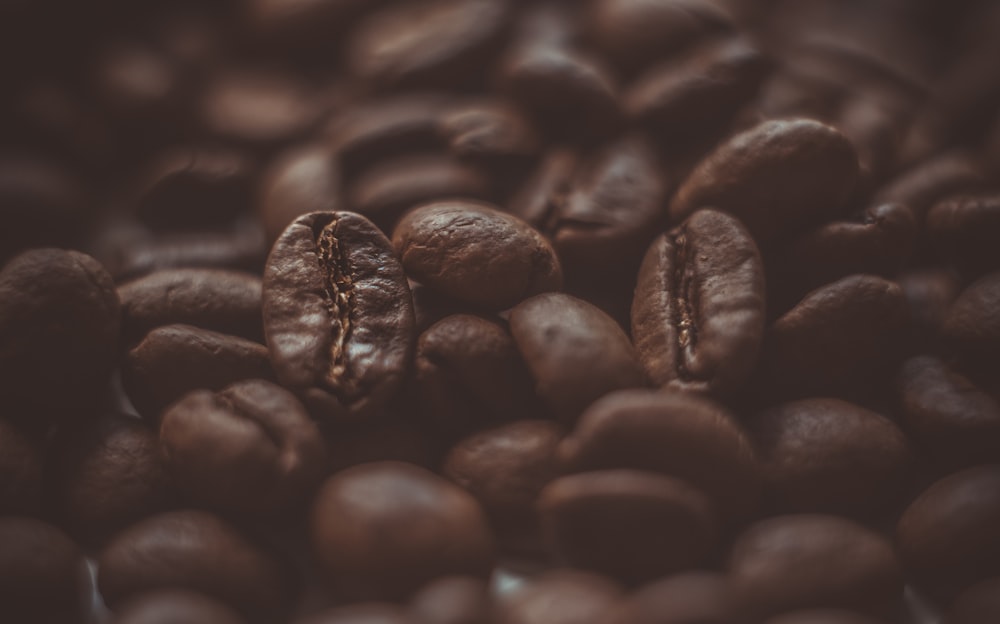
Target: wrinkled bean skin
(688,598)
(561,596)
(338,316)
(171,606)
(475,253)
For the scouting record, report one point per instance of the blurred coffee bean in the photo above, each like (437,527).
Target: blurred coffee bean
(935,179)
(21,464)
(297,182)
(43,577)
(980,604)
(489,132)
(561,596)
(690,598)
(972,328)
(382,442)
(964,231)
(452,600)
(823,616)
(300,25)
(361,613)
(169,606)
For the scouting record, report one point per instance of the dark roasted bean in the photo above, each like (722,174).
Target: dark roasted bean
(690,598)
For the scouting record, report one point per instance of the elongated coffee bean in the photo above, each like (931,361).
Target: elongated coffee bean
(698,313)
(338,316)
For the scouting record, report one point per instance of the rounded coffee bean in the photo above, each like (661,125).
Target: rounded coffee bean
(43,577)
(196,551)
(385,529)
(505,468)
(559,597)
(170,606)
(676,434)
(778,178)
(629,524)
(474,253)
(20,472)
(940,177)
(929,294)
(972,327)
(949,537)
(691,598)
(831,456)
(811,561)
(60,318)
(108,476)
(366,613)
(297,182)
(489,132)
(175,359)
(224,301)
(698,312)
(980,604)
(575,352)
(452,600)
(964,232)
(338,315)
(297,24)
(823,616)
(248,449)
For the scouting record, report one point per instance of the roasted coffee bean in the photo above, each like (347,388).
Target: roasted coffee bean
(248,449)
(779,177)
(107,477)
(831,456)
(972,328)
(698,312)
(469,374)
(980,604)
(823,616)
(964,231)
(20,472)
(560,597)
(366,613)
(60,320)
(194,187)
(629,524)
(929,294)
(505,468)
(489,132)
(676,434)
(170,606)
(949,537)
(382,442)
(175,359)
(691,598)
(841,339)
(338,316)
(300,25)
(452,600)
(575,352)
(812,561)
(955,421)
(938,178)
(297,182)
(43,577)
(224,301)
(196,551)
(430,43)
(385,529)
(475,253)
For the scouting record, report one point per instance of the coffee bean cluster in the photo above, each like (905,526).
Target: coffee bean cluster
(499,311)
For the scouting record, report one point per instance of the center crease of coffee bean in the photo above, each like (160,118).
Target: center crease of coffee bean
(683,282)
(339,294)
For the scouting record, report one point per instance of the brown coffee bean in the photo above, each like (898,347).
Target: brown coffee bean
(175,359)
(169,606)
(813,561)
(366,613)
(964,231)
(778,178)
(60,320)
(921,187)
(929,294)
(691,598)
(338,316)
(43,575)
(949,537)
(248,449)
(475,253)
(196,551)
(297,182)
(298,24)
(698,312)
(629,524)
(489,132)
(385,529)
(429,43)
(430,306)
(224,301)
(562,596)
(980,604)
(20,472)
(452,600)
(107,477)
(972,328)
(831,456)
(575,352)
(823,616)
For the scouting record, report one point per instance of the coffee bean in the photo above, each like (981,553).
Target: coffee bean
(338,316)
(690,598)
(561,596)
(452,600)
(979,604)
(196,551)
(823,616)
(385,529)
(43,576)
(831,456)
(20,472)
(167,606)
(489,132)
(629,524)
(575,352)
(938,178)
(60,318)
(249,449)
(929,294)
(475,253)
(297,182)
(175,359)
(399,442)
(779,177)
(813,561)
(224,301)
(430,306)
(366,613)
(300,25)
(964,231)
(948,539)
(972,328)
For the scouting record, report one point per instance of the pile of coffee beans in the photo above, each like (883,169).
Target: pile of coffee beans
(500,312)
